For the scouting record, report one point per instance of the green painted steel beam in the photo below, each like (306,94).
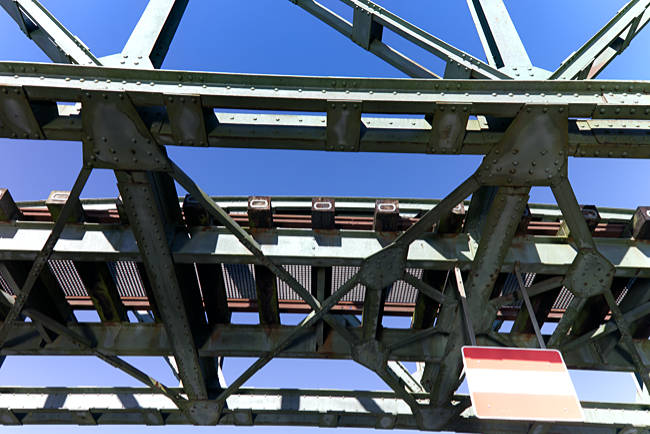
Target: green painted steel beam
(370,18)
(39,25)
(587,138)
(590,59)
(93,242)
(372,42)
(149,232)
(150,40)
(239,340)
(326,408)
(498,34)
(618,111)
(587,99)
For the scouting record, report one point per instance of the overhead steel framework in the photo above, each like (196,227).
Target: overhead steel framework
(184,265)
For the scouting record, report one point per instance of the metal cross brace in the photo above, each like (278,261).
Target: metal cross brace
(529,306)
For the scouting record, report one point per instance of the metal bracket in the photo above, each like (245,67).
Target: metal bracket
(590,274)
(343,125)
(204,412)
(384,267)
(365,29)
(17,114)
(188,120)
(448,127)
(370,354)
(463,303)
(116,137)
(533,150)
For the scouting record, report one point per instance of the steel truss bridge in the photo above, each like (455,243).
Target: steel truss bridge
(459,268)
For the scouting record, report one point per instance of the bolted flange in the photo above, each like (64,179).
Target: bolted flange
(370,354)
(203,412)
(533,150)
(384,267)
(115,136)
(589,274)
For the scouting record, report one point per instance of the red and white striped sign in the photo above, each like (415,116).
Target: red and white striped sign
(520,384)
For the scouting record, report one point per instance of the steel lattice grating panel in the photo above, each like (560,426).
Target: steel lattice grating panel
(239,281)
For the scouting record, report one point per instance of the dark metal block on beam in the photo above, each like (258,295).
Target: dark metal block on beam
(194,213)
(641,223)
(17,114)
(190,123)
(116,137)
(323,212)
(373,312)
(55,202)
(260,212)
(452,223)
(591,216)
(344,127)
(146,285)
(386,218)
(365,29)
(8,208)
(448,126)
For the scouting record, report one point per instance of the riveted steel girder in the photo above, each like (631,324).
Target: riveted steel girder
(526,130)
(615,124)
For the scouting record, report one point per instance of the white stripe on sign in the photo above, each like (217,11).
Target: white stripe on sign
(520,382)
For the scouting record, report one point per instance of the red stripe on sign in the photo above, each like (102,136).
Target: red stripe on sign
(513,365)
(526,407)
(483,353)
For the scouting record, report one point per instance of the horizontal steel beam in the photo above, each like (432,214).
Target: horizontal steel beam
(586,138)
(322,408)
(38,24)
(505,98)
(93,242)
(370,41)
(590,59)
(351,205)
(239,340)
(618,111)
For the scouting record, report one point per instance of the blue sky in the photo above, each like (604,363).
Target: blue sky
(277,37)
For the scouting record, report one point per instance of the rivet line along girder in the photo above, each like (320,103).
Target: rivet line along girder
(58,43)
(426,41)
(364,33)
(602,138)
(586,138)
(599,99)
(149,231)
(240,340)
(593,56)
(96,242)
(327,408)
